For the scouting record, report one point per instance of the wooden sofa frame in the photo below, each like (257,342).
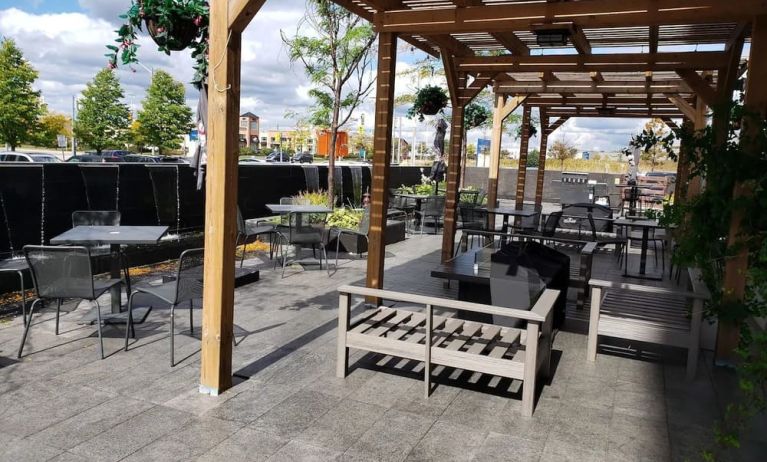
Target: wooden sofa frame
(450,342)
(648,314)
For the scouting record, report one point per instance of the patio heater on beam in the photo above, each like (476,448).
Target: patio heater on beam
(552,35)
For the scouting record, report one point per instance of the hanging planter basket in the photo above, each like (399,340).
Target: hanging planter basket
(429,108)
(179,37)
(429,100)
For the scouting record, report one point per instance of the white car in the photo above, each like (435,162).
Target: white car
(10,156)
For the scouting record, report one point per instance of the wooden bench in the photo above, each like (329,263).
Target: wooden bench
(439,340)
(648,314)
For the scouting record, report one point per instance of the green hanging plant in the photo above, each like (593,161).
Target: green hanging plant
(174,25)
(429,100)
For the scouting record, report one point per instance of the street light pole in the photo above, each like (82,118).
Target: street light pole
(74,115)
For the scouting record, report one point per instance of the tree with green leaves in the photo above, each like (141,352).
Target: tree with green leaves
(103,118)
(164,115)
(335,47)
(49,127)
(20,104)
(562,150)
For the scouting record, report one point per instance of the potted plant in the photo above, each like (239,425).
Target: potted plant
(429,100)
(174,25)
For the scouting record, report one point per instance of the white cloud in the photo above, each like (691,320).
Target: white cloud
(68,49)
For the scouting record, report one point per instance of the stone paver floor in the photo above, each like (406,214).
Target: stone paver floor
(61,403)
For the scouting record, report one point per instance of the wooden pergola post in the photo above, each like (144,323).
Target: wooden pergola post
(523,148)
(542,159)
(695,185)
(496,137)
(456,82)
(220,202)
(736,267)
(683,164)
(382,147)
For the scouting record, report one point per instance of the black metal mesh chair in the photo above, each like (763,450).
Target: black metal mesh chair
(103,218)
(64,272)
(527,224)
(361,231)
(551,224)
(15,264)
(302,230)
(186,287)
(251,232)
(96,218)
(432,207)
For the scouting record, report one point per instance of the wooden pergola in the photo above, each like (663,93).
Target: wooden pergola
(615,63)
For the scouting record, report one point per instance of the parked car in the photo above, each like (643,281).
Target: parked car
(303,157)
(251,160)
(173,160)
(85,158)
(13,156)
(278,156)
(140,159)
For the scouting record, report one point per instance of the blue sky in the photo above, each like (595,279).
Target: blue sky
(64,40)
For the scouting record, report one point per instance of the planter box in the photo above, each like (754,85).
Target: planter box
(395,232)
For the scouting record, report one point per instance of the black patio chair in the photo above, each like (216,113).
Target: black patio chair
(64,272)
(473,219)
(362,231)
(103,218)
(432,207)
(186,287)
(302,230)
(251,232)
(19,266)
(551,224)
(527,224)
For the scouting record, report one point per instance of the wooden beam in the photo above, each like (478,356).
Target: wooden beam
(502,108)
(581,87)
(523,150)
(670,123)
(512,43)
(479,83)
(699,86)
(585,14)
(241,12)
(456,82)
(686,108)
(626,114)
(579,41)
(557,123)
(382,147)
(220,203)
(617,62)
(653,38)
(539,184)
(755,105)
(595,101)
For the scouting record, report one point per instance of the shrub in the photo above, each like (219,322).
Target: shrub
(345,218)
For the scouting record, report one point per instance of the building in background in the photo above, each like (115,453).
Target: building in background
(292,139)
(249,130)
(323,143)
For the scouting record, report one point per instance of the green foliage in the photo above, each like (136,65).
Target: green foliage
(425,188)
(476,116)
(247,151)
(533,158)
(164,116)
(102,119)
(334,46)
(179,24)
(49,127)
(345,218)
(738,162)
(562,150)
(311,198)
(430,99)
(20,104)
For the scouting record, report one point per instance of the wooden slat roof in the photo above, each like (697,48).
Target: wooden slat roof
(497,36)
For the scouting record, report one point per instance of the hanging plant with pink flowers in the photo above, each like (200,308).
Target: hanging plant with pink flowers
(174,25)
